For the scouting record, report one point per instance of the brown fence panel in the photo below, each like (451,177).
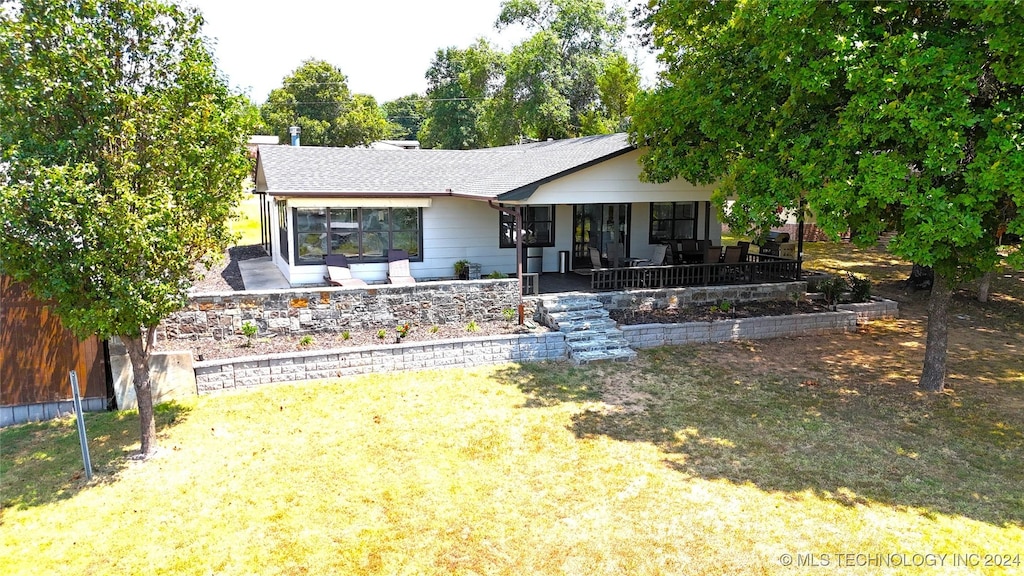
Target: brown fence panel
(37,352)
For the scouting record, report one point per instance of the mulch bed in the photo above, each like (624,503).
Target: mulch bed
(716,312)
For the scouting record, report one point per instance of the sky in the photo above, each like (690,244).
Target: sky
(384,47)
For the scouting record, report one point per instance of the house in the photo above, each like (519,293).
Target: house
(442,206)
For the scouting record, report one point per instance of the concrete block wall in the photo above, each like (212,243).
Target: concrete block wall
(240,373)
(653,335)
(21,413)
(312,310)
(877,308)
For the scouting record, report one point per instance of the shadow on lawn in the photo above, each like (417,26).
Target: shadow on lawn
(41,462)
(890,446)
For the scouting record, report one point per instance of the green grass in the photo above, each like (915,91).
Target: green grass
(246,223)
(715,459)
(546,469)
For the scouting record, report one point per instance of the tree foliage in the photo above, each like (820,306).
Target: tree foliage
(458,83)
(882,116)
(122,154)
(568,78)
(404,116)
(316,98)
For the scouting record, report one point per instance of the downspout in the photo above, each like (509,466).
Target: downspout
(517,216)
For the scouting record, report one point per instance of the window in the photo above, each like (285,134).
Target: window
(672,221)
(282,225)
(538,227)
(361,234)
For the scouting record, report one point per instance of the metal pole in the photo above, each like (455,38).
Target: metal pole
(79,415)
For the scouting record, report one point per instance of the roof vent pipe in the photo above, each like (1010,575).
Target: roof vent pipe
(295,131)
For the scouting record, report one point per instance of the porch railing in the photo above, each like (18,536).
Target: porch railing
(760,268)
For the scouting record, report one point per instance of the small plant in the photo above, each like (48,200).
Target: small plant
(472,326)
(249,330)
(403,330)
(434,329)
(860,288)
(509,314)
(346,335)
(462,269)
(796,297)
(725,306)
(382,334)
(496,275)
(831,288)
(306,341)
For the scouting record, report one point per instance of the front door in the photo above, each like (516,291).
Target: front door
(601,226)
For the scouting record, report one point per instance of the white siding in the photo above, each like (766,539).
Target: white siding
(613,181)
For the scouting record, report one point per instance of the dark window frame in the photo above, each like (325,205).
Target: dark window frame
(651,239)
(506,225)
(361,258)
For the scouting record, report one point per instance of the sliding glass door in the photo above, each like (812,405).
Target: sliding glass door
(601,226)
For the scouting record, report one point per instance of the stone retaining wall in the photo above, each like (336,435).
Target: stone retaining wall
(659,298)
(238,373)
(653,335)
(314,310)
(877,308)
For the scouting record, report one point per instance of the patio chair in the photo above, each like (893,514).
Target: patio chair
(744,250)
(398,268)
(657,258)
(338,272)
(689,252)
(595,258)
(733,256)
(614,254)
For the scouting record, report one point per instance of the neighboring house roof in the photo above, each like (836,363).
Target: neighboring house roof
(507,172)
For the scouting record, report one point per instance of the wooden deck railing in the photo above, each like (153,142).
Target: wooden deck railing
(760,268)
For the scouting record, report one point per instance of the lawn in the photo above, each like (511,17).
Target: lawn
(753,457)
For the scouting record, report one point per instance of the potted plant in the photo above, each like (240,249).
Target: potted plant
(462,269)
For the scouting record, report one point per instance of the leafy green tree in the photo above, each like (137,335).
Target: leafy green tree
(122,154)
(458,83)
(552,79)
(883,116)
(316,98)
(406,115)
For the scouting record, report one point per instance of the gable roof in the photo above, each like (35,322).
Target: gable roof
(513,171)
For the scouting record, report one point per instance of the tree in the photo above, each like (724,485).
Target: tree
(458,83)
(315,97)
(883,116)
(551,82)
(405,115)
(122,154)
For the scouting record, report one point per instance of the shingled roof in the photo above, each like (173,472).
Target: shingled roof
(509,171)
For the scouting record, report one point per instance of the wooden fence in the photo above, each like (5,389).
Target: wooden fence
(37,352)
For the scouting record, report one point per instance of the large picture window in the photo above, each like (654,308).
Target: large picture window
(361,234)
(538,227)
(671,221)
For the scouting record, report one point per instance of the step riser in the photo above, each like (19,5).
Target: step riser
(590,334)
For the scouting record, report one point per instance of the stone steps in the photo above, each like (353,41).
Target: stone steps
(590,334)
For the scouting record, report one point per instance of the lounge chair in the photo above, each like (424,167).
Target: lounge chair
(595,258)
(338,272)
(398,268)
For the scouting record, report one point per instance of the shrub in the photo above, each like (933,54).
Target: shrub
(434,329)
(462,268)
(346,335)
(306,341)
(860,288)
(249,330)
(472,326)
(382,334)
(496,275)
(831,288)
(509,314)
(403,329)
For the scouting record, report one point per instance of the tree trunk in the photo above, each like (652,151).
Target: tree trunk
(921,278)
(983,285)
(933,376)
(138,352)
